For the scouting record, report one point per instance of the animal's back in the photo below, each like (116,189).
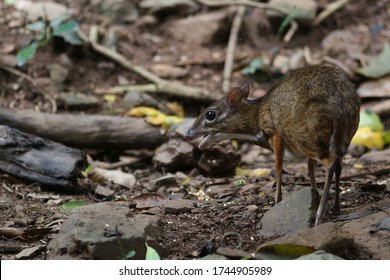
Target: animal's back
(316,110)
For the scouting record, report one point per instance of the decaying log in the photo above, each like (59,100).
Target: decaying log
(39,160)
(92,131)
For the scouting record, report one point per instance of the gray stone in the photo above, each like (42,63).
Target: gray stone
(328,237)
(30,253)
(233,253)
(173,155)
(294,213)
(178,206)
(102,191)
(376,156)
(214,257)
(347,239)
(105,231)
(208,25)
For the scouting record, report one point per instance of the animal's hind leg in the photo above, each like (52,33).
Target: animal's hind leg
(311,166)
(330,169)
(338,168)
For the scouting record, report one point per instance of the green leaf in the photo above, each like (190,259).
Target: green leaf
(36,26)
(378,66)
(283,251)
(54,23)
(386,137)
(285,23)
(130,254)
(72,38)
(370,119)
(72,205)
(10,2)
(151,253)
(239,182)
(254,66)
(65,27)
(26,53)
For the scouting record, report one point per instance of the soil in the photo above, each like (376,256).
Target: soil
(229,218)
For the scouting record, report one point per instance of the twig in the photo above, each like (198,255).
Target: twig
(311,61)
(248,3)
(227,71)
(291,31)
(172,88)
(31,80)
(125,88)
(332,7)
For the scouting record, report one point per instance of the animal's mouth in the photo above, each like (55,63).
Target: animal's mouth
(204,141)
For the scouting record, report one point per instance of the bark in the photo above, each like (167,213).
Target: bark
(39,160)
(91,131)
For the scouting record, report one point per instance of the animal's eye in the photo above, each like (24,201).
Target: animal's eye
(211,115)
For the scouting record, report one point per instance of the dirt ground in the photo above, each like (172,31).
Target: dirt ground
(36,211)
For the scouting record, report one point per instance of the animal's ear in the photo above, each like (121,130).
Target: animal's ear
(237,94)
(234,97)
(245,88)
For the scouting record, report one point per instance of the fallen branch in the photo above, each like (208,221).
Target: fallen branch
(39,160)
(332,7)
(248,3)
(164,86)
(91,131)
(227,71)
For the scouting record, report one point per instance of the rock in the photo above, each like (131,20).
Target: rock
(48,86)
(214,257)
(121,11)
(105,231)
(70,100)
(377,88)
(233,253)
(135,98)
(343,41)
(376,156)
(167,181)
(48,10)
(328,237)
(219,159)
(181,7)
(57,72)
(116,176)
(102,191)
(208,26)
(178,206)
(351,239)
(302,9)
(320,255)
(168,71)
(220,191)
(294,213)
(373,245)
(383,225)
(180,129)
(30,253)
(173,155)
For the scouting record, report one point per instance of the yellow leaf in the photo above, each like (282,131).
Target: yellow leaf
(176,108)
(156,119)
(235,144)
(358,166)
(110,98)
(369,138)
(171,120)
(143,111)
(258,172)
